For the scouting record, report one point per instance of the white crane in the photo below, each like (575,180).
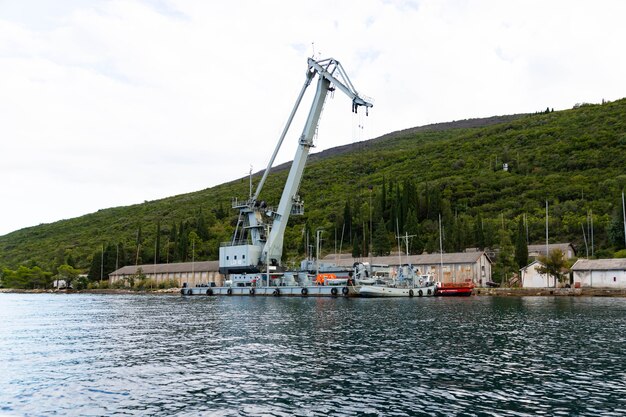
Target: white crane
(252,246)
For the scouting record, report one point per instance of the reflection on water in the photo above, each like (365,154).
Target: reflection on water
(240,356)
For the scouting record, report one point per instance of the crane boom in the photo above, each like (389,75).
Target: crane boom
(252,245)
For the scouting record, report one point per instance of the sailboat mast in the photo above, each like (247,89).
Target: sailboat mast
(440,251)
(399,250)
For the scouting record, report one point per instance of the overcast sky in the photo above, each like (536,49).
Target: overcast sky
(111,103)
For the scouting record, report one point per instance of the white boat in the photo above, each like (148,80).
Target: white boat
(362,274)
(406,285)
(390,291)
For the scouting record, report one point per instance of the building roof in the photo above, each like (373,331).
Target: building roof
(203,266)
(600,264)
(427,259)
(338,259)
(541,248)
(531,264)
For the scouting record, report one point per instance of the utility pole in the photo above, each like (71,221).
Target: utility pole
(102,263)
(624,214)
(591,215)
(370,207)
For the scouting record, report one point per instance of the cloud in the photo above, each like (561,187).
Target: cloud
(117,102)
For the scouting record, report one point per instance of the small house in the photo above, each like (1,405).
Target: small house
(532,278)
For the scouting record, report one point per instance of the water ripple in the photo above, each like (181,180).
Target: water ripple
(236,356)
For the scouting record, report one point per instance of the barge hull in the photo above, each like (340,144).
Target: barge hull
(288,291)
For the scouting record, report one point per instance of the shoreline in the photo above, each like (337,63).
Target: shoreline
(550,292)
(480,292)
(169,291)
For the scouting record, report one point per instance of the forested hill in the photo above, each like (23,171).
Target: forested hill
(573,159)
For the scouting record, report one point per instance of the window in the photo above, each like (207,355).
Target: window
(243,256)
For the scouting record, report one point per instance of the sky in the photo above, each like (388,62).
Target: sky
(112,103)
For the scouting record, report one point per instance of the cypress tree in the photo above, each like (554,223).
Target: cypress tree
(183,242)
(479,233)
(347,221)
(381,239)
(157,244)
(356,248)
(521,248)
(94,268)
(506,257)
(172,244)
(201,226)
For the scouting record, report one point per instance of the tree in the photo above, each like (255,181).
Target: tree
(183,243)
(25,277)
(615,230)
(347,222)
(553,265)
(356,248)
(196,244)
(67,273)
(506,257)
(412,227)
(157,243)
(521,248)
(69,259)
(381,239)
(479,234)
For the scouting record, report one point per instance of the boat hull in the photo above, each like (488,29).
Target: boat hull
(381,291)
(454,291)
(288,291)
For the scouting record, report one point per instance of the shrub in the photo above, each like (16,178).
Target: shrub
(144,284)
(119,284)
(170,283)
(81,283)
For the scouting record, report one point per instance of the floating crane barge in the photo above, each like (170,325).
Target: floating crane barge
(251,261)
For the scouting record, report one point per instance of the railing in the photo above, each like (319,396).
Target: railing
(235,243)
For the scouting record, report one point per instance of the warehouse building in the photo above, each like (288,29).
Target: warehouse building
(448,267)
(457,267)
(192,273)
(600,273)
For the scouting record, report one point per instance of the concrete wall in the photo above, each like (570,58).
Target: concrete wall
(478,273)
(601,279)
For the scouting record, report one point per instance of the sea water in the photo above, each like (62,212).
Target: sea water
(161,355)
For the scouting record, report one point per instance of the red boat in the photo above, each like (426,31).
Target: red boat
(454,288)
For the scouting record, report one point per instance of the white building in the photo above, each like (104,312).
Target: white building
(600,273)
(532,278)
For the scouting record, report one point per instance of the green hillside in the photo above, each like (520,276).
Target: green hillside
(574,159)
